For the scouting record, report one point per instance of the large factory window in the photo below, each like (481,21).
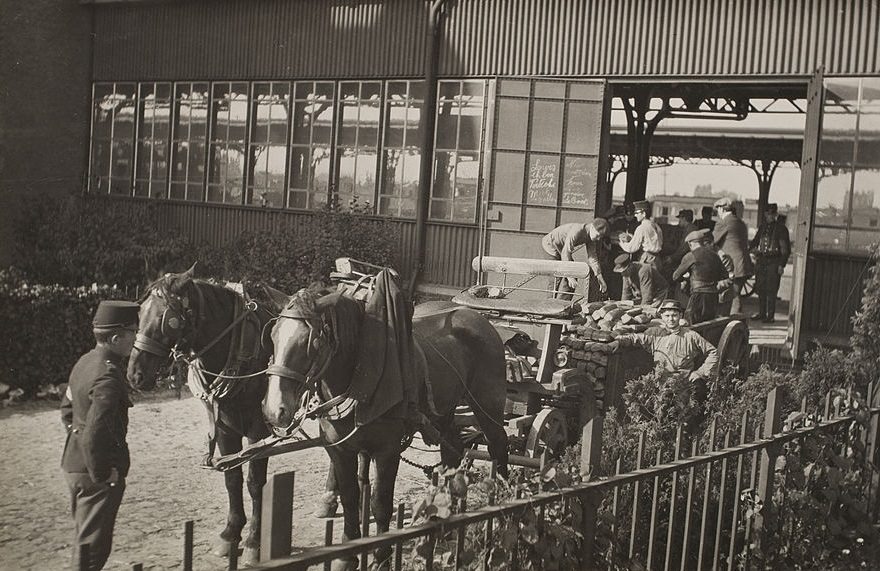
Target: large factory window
(311,143)
(153,135)
(357,142)
(848,187)
(267,150)
(189,140)
(113,120)
(457,150)
(401,156)
(229,115)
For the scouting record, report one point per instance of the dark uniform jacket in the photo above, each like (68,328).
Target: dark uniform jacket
(705,267)
(95,412)
(772,243)
(732,236)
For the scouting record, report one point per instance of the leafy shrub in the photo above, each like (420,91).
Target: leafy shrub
(45,330)
(74,241)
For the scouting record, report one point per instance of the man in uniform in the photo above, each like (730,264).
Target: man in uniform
(704,266)
(641,282)
(772,247)
(678,349)
(647,240)
(732,236)
(562,241)
(94,411)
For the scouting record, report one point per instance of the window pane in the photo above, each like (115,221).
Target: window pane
(471,125)
(868,153)
(512,123)
(864,241)
(829,238)
(299,167)
(368,125)
(320,166)
(832,197)
(447,124)
(547,126)
(348,129)
(444,174)
(396,126)
(509,175)
(839,121)
(441,210)
(365,183)
(100,172)
(322,117)
(391,172)
(866,198)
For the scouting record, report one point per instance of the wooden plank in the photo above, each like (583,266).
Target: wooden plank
(772,425)
(530,267)
(552,333)
(277,524)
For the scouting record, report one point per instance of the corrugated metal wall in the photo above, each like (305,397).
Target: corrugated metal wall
(833,293)
(233,39)
(450,248)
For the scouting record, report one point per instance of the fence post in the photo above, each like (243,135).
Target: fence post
(188,545)
(764,519)
(872,442)
(277,526)
(591,454)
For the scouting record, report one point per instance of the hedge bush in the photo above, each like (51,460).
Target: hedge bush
(45,330)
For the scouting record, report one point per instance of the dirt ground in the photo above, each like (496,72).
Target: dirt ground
(164,489)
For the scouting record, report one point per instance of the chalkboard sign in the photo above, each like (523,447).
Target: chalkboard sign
(543,180)
(578,188)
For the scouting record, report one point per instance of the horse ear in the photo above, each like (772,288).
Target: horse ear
(191,272)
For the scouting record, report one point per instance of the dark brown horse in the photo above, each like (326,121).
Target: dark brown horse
(199,318)
(316,343)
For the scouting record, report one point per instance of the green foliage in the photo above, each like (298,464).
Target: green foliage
(75,241)
(45,330)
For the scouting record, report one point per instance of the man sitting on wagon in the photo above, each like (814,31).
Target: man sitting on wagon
(676,349)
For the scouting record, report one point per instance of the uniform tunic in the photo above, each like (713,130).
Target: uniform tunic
(648,238)
(677,351)
(95,412)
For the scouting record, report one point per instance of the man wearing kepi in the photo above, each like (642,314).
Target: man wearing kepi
(562,241)
(772,247)
(94,411)
(642,282)
(647,240)
(678,349)
(706,270)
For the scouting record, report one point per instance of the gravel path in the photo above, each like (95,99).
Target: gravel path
(165,489)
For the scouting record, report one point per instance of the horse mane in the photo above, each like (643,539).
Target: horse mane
(344,313)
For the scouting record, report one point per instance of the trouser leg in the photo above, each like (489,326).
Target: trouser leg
(736,304)
(94,507)
(772,288)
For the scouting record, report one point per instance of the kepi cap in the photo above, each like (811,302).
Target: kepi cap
(671,304)
(621,263)
(114,314)
(772,208)
(642,205)
(697,235)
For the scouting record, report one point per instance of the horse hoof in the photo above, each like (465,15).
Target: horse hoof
(344,565)
(251,556)
(222,548)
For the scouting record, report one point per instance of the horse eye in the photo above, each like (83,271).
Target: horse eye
(174,323)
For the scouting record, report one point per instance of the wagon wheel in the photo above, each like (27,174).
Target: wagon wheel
(549,432)
(733,348)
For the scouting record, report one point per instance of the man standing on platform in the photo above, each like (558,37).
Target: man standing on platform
(732,236)
(562,241)
(706,270)
(772,247)
(94,411)
(647,240)
(642,282)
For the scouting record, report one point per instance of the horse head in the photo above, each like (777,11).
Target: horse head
(312,339)
(166,317)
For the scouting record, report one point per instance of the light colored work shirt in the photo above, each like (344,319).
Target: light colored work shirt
(677,351)
(648,238)
(565,239)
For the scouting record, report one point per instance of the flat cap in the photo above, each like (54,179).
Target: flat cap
(697,235)
(113,314)
(671,304)
(642,205)
(723,203)
(685,213)
(772,208)
(601,225)
(621,262)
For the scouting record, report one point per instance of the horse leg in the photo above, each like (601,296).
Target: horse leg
(382,502)
(329,500)
(234,480)
(256,480)
(451,446)
(489,419)
(345,467)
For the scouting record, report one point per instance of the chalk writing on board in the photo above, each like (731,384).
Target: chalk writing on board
(543,180)
(576,190)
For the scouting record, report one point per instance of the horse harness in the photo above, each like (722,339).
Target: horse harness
(312,403)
